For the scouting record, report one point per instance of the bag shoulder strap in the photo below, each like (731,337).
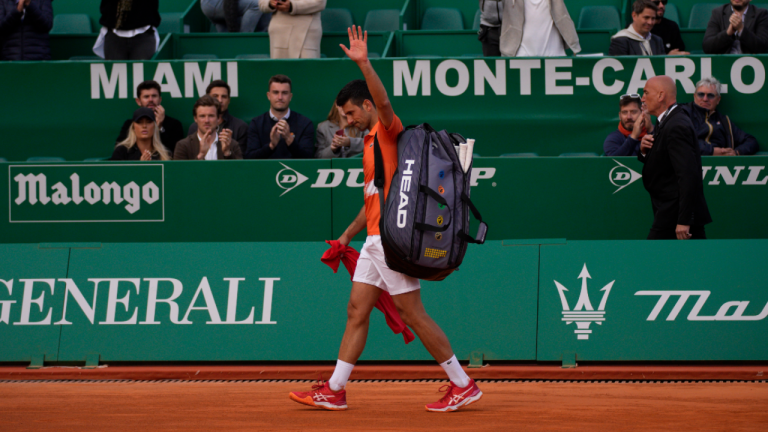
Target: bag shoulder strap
(378,174)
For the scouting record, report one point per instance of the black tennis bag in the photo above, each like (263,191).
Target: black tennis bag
(425,220)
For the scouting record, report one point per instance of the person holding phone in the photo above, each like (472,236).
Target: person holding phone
(336,139)
(295,29)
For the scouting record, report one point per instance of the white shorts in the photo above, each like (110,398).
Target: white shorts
(372,270)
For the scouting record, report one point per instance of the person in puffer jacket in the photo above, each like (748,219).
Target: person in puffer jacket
(24,27)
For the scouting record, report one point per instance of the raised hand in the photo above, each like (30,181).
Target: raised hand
(159,114)
(358,45)
(146,156)
(225,138)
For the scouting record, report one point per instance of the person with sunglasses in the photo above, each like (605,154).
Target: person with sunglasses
(737,28)
(634,124)
(637,39)
(668,31)
(717,135)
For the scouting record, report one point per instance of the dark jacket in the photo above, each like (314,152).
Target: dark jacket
(672,174)
(626,46)
(25,39)
(669,32)
(238,127)
(303,146)
(715,129)
(141,13)
(754,36)
(123,153)
(189,147)
(616,144)
(171,132)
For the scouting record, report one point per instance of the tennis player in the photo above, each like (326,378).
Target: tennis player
(366,105)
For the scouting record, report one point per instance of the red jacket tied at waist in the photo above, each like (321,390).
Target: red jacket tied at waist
(348,255)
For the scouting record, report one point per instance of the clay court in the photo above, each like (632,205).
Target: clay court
(378,405)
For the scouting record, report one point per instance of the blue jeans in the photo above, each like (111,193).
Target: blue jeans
(248,12)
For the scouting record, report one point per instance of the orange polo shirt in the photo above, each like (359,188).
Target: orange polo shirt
(388,145)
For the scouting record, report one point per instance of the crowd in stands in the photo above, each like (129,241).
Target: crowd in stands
(716,133)
(279,133)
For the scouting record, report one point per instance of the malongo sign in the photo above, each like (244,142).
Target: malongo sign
(86,193)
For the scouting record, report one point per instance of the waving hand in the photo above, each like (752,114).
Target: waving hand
(358,45)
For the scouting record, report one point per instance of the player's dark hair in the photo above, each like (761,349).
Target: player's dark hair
(640,5)
(218,83)
(355,91)
(280,79)
(147,85)
(206,101)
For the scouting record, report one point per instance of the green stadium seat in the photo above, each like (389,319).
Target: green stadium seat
(95,159)
(671,13)
(761,153)
(199,57)
(476,22)
(760,5)
(71,24)
(171,22)
(582,154)
(439,18)
(336,19)
(599,17)
(86,58)
(373,55)
(46,159)
(476,155)
(382,20)
(700,15)
(252,56)
(3,159)
(519,155)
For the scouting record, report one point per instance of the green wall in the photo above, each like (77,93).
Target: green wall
(546,300)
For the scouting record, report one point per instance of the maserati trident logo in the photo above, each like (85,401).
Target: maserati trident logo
(289,179)
(622,176)
(583,314)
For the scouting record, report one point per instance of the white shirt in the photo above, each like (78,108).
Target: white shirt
(540,36)
(98,47)
(646,40)
(665,114)
(273,117)
(212,152)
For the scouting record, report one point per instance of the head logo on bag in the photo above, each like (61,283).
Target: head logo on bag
(405,187)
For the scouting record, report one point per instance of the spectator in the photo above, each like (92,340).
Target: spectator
(634,124)
(148,96)
(232,16)
(536,28)
(129,30)
(295,29)
(637,39)
(143,140)
(717,135)
(737,28)
(490,26)
(668,31)
(335,138)
(220,91)
(280,133)
(211,145)
(24,27)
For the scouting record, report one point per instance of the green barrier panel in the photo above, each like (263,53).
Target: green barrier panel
(651,301)
(584,198)
(574,198)
(171,201)
(253,302)
(231,45)
(508,105)
(27,292)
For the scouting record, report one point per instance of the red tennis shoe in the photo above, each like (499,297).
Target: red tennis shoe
(322,396)
(456,397)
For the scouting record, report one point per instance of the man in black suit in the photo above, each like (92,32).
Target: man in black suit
(148,96)
(672,170)
(737,28)
(637,38)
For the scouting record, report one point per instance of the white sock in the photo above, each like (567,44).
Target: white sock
(340,375)
(455,372)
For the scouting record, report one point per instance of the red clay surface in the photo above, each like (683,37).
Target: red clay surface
(372,372)
(262,406)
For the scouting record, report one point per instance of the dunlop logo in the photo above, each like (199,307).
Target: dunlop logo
(86,193)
